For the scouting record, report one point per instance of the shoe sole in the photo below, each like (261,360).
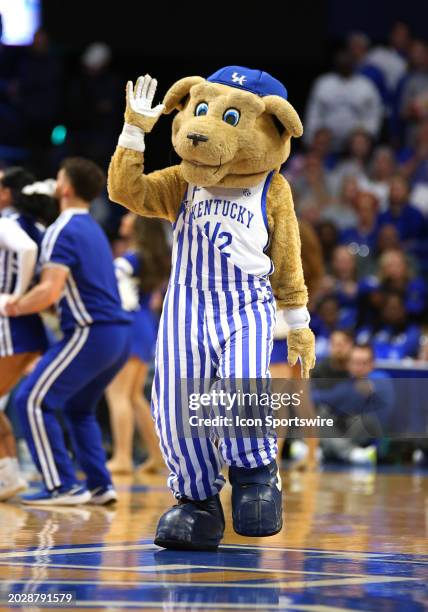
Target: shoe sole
(264,534)
(179,545)
(103,500)
(9,493)
(73,500)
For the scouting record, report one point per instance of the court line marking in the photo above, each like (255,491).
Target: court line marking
(86,549)
(185,567)
(151,546)
(317,550)
(353,557)
(229,585)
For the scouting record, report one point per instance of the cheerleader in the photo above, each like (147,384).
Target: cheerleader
(142,272)
(23,203)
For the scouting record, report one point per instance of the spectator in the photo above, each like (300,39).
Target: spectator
(356,161)
(391,59)
(341,211)
(335,365)
(95,109)
(361,237)
(362,405)
(387,238)
(396,338)
(381,170)
(320,146)
(325,321)
(395,275)
(342,284)
(414,167)
(342,102)
(408,220)
(414,92)
(358,45)
(312,189)
(328,236)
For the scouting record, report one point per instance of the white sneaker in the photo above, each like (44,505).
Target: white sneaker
(363,456)
(298,450)
(103,495)
(418,456)
(9,491)
(11,481)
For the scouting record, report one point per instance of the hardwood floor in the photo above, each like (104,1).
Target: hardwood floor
(353,540)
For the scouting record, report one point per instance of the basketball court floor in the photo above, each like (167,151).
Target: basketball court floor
(353,540)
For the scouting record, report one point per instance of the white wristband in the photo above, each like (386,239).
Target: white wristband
(297,318)
(132,137)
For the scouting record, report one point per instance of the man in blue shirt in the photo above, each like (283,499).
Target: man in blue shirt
(407,219)
(362,404)
(77,274)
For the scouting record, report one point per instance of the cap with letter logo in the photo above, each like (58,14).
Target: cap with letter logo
(256,81)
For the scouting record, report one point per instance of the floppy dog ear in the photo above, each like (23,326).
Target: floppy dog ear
(176,94)
(285,114)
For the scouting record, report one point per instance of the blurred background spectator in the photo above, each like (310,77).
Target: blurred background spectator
(343,101)
(94,105)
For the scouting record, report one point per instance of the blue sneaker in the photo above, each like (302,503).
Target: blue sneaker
(256,500)
(59,497)
(103,495)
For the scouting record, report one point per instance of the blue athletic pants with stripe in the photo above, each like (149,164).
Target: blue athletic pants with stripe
(71,377)
(204,335)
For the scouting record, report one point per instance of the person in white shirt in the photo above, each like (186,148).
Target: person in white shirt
(343,102)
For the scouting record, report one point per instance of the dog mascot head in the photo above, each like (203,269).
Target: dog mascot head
(232,128)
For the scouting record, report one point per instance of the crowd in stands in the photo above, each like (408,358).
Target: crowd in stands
(362,182)
(359,177)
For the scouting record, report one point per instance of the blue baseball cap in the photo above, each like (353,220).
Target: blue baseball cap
(256,81)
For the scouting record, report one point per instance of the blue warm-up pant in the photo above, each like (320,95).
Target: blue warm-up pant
(71,377)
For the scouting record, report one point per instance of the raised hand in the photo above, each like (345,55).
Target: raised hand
(139,99)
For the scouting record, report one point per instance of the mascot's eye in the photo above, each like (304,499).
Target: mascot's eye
(201,109)
(232,116)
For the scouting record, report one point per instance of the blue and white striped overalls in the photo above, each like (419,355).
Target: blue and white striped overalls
(217,322)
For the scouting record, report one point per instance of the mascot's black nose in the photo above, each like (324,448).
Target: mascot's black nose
(196,138)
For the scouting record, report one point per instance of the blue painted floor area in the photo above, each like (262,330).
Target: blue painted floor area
(103,558)
(234,577)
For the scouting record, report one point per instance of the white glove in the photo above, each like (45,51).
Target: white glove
(140,99)
(140,117)
(47,187)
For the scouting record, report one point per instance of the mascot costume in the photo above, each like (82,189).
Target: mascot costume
(236,260)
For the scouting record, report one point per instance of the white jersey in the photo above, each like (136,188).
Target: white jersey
(235,221)
(18,255)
